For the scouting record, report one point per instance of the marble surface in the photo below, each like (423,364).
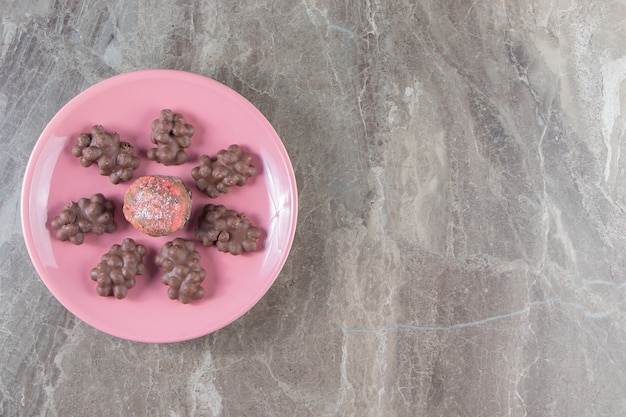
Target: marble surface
(461,238)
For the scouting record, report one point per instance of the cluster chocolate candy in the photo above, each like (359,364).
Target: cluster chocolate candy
(115,274)
(88,215)
(230,231)
(113,157)
(182,271)
(171,135)
(217,175)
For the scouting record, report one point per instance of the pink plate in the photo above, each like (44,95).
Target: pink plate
(127,104)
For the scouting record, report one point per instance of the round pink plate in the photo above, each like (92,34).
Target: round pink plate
(128,104)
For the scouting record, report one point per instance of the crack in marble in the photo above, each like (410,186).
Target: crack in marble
(523,374)
(204,395)
(341,29)
(613,75)
(346,385)
(530,307)
(370,12)
(598,282)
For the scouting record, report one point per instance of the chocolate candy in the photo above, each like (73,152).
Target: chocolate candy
(113,157)
(217,175)
(115,274)
(172,135)
(228,230)
(93,215)
(182,271)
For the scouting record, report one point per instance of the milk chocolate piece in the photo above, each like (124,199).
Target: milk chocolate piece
(171,135)
(115,274)
(114,158)
(217,175)
(93,215)
(182,271)
(228,230)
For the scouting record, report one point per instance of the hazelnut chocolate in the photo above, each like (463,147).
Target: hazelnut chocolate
(228,230)
(171,134)
(231,167)
(182,272)
(114,158)
(88,215)
(115,274)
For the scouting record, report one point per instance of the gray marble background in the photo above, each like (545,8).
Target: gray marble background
(461,235)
